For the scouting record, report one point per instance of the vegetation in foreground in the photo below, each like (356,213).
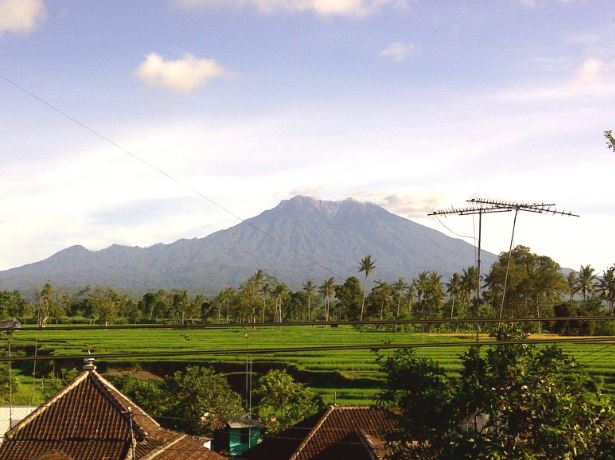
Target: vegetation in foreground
(514,402)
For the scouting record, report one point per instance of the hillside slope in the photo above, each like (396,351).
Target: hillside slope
(300,238)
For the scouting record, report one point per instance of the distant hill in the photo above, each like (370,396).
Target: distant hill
(300,238)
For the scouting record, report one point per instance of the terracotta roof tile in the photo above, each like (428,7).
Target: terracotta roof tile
(336,433)
(89,419)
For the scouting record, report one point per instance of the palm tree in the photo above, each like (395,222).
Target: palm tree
(421,286)
(606,287)
(469,281)
(399,287)
(279,292)
(327,290)
(367,265)
(383,291)
(265,292)
(586,281)
(454,289)
(572,279)
(309,287)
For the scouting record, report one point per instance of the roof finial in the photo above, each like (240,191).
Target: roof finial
(88,364)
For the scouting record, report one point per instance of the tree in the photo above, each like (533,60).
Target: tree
(309,287)
(12,305)
(280,293)
(605,286)
(8,383)
(469,282)
(282,402)
(199,398)
(349,297)
(572,280)
(399,288)
(533,283)
(367,266)
(381,298)
(586,281)
(610,140)
(50,305)
(327,290)
(516,401)
(418,392)
(454,289)
(149,394)
(104,307)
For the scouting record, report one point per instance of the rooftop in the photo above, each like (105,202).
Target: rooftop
(335,433)
(91,419)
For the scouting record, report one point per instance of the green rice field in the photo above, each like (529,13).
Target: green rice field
(348,377)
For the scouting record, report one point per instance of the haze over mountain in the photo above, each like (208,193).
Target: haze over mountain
(300,238)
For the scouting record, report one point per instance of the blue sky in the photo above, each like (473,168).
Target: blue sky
(410,104)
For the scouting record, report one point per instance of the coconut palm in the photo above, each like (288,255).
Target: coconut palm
(585,281)
(421,286)
(309,287)
(327,290)
(265,293)
(454,289)
(469,281)
(572,280)
(384,293)
(399,287)
(605,286)
(366,265)
(279,293)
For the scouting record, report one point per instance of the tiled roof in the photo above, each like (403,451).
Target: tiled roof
(90,419)
(336,433)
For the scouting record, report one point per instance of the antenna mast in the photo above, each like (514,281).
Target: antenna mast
(482,206)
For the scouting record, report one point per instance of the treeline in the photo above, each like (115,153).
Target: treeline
(524,285)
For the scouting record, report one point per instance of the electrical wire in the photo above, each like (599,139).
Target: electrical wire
(384,322)
(157,169)
(453,232)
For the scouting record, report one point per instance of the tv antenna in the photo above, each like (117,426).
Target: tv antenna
(482,206)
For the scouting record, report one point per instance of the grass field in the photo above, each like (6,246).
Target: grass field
(350,377)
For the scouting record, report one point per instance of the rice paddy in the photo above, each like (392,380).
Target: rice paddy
(347,377)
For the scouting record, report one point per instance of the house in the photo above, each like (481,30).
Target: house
(91,419)
(237,436)
(338,432)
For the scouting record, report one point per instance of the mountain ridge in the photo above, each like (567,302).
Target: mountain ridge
(300,238)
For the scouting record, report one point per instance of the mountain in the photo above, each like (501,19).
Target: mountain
(300,238)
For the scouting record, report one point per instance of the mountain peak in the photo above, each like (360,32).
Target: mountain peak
(302,237)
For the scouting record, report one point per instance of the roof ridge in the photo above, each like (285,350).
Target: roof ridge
(312,433)
(165,447)
(112,393)
(42,408)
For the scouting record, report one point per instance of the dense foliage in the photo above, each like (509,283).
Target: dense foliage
(282,402)
(515,401)
(200,400)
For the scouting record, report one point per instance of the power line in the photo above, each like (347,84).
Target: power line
(154,167)
(385,322)
(275,350)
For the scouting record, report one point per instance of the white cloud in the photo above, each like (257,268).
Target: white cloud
(398,51)
(21,16)
(405,204)
(590,72)
(592,78)
(185,74)
(348,8)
